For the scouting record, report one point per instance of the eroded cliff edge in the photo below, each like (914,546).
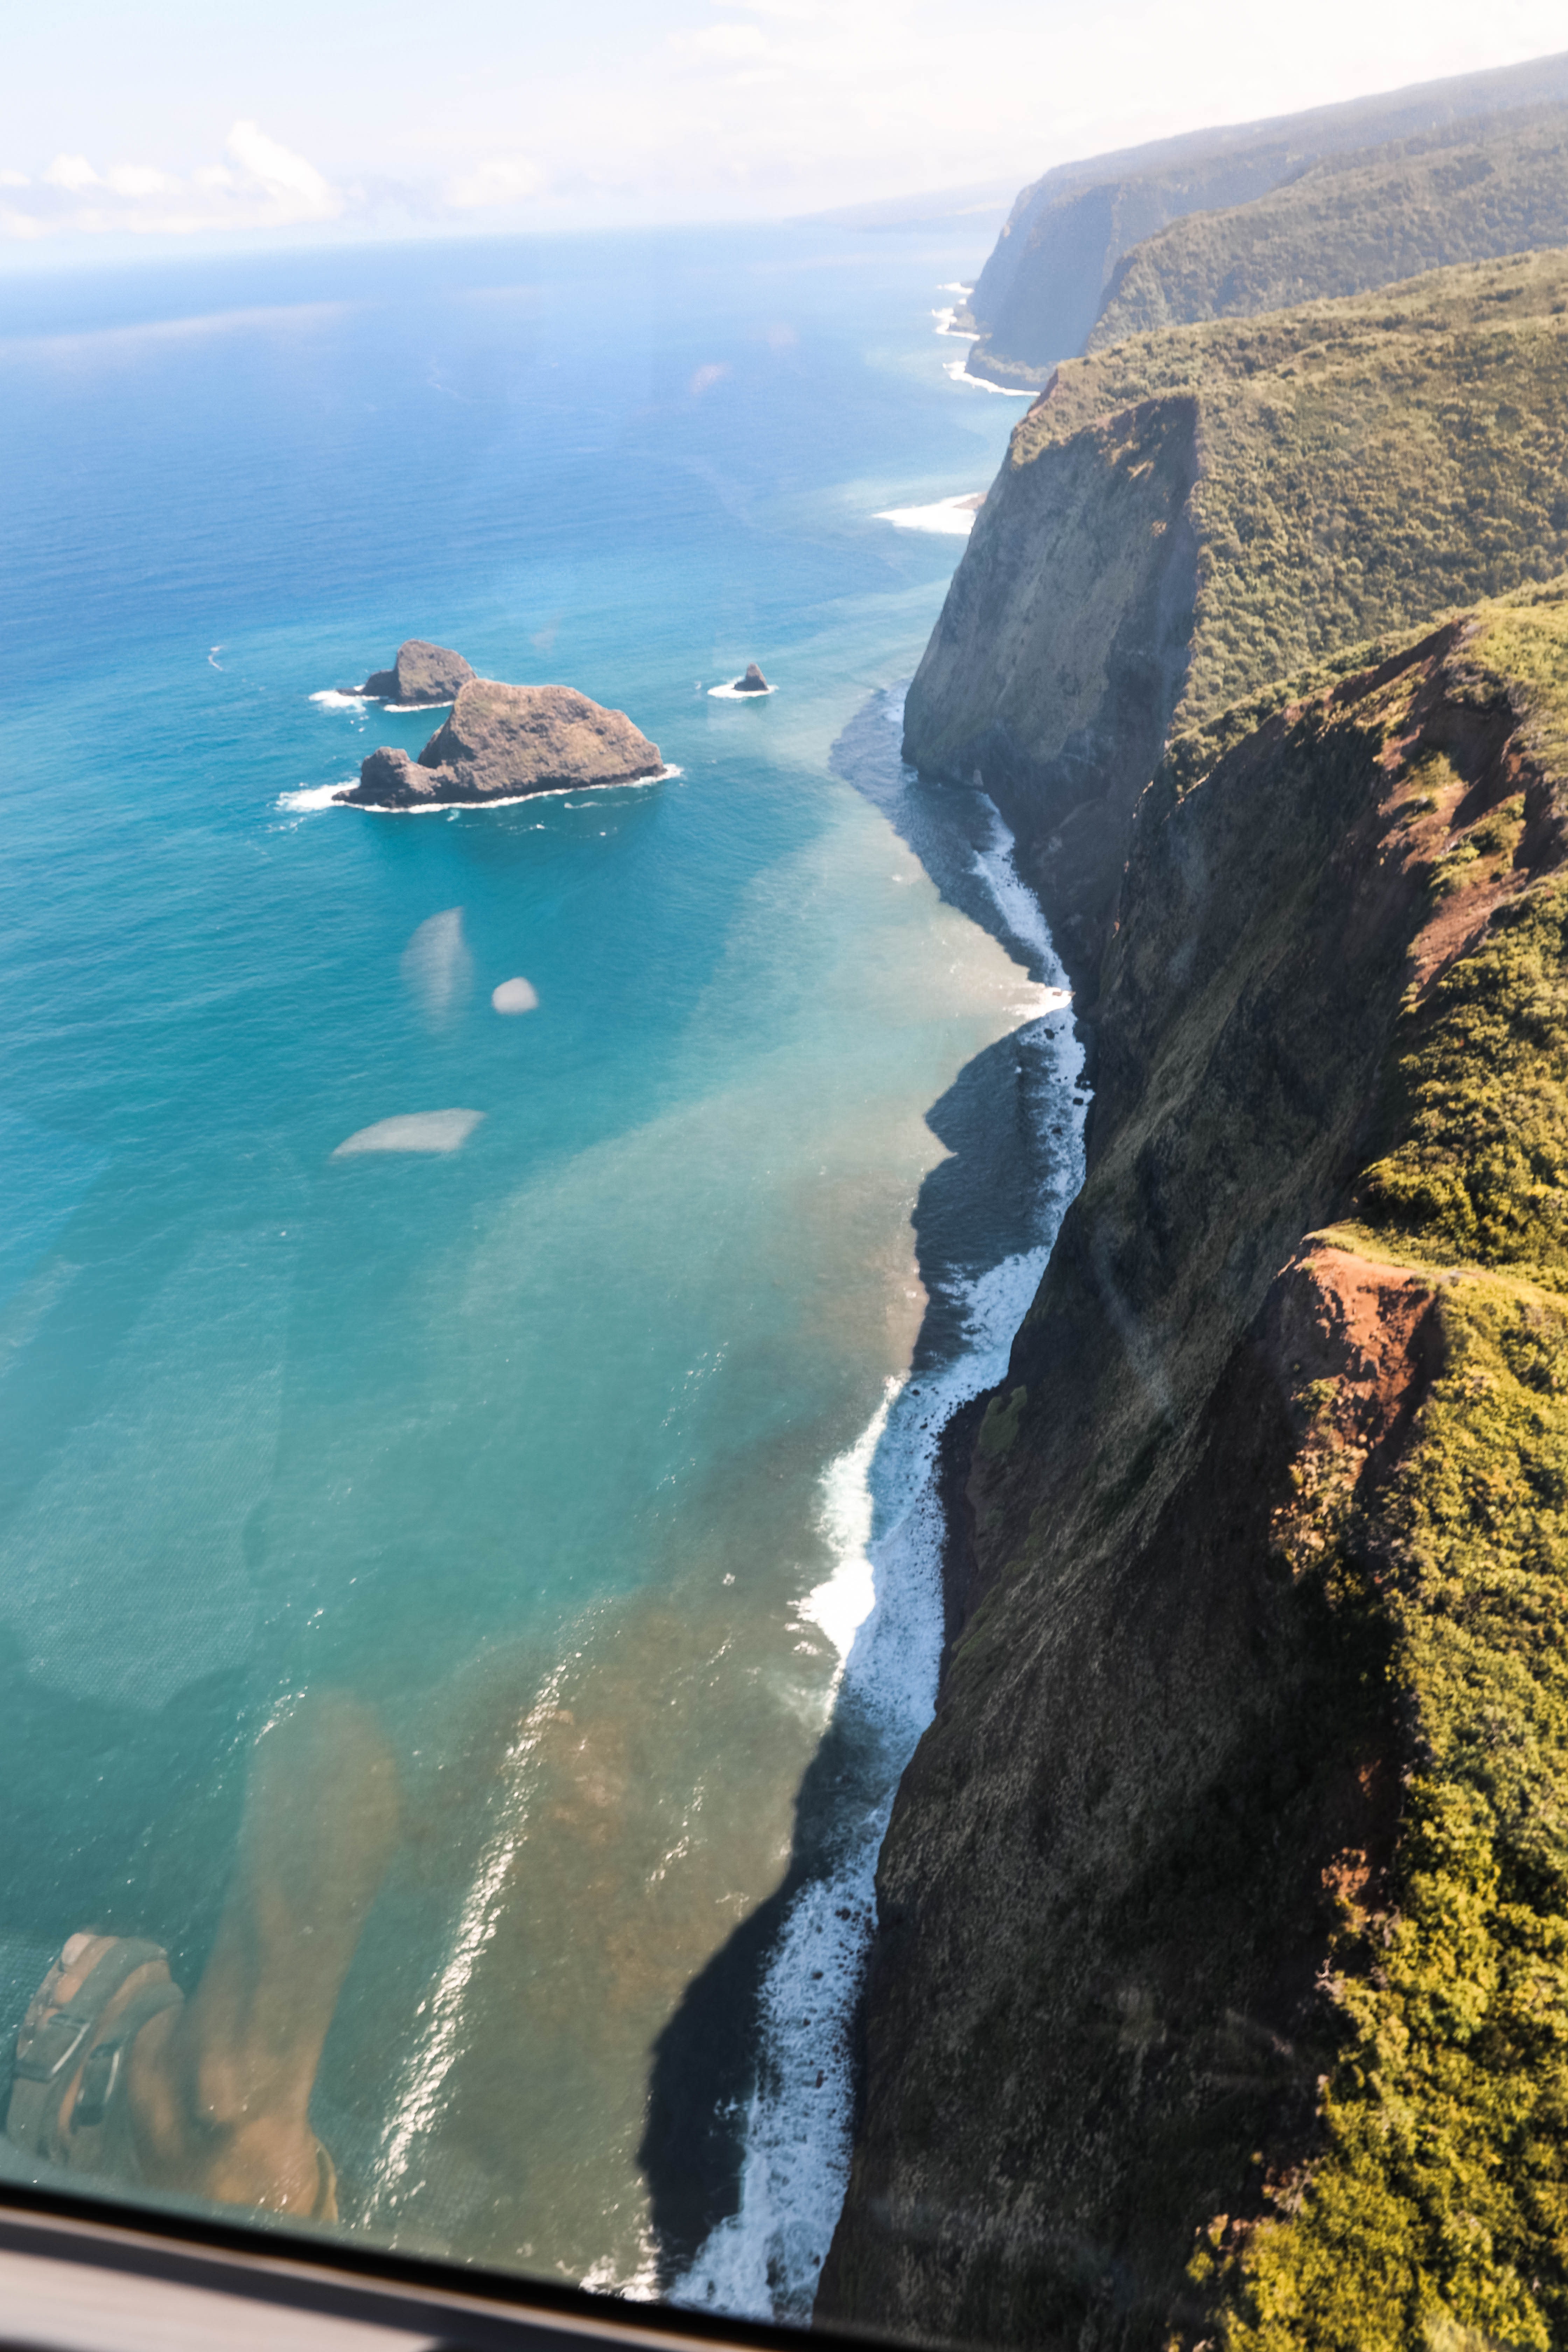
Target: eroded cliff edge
(1220,1986)
(1186,519)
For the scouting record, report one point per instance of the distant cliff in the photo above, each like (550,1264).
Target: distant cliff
(1219,1991)
(1041,292)
(1193,514)
(1351,224)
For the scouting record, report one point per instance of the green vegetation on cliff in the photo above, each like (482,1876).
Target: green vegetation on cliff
(1042,289)
(1366,463)
(1222,1986)
(1351,223)
(1438,2202)
(1195,516)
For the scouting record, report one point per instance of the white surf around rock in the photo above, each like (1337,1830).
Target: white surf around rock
(314,796)
(958,370)
(412,1130)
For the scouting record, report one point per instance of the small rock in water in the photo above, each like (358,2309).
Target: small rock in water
(753,682)
(515,996)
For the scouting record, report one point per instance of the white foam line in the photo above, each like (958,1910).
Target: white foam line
(337,697)
(764,2262)
(953,517)
(319,796)
(741,693)
(316,796)
(841,1604)
(419,2100)
(958,370)
(1016,902)
(945,327)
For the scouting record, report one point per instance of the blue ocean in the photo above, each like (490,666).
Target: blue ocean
(593,1450)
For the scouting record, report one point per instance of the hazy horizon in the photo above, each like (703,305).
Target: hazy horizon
(122,136)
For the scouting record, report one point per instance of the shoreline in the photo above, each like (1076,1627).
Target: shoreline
(756,2078)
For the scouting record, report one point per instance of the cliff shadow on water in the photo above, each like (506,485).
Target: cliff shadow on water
(736,2071)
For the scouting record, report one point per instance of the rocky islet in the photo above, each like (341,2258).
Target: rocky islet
(505,742)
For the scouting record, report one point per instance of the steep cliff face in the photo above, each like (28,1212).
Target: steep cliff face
(1351,224)
(1198,512)
(1220,1983)
(1062,648)
(1040,292)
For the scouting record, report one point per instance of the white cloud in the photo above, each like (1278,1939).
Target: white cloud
(742,41)
(70,171)
(139,180)
(263,185)
(279,170)
(498,180)
(665,110)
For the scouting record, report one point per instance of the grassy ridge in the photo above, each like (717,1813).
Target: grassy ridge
(1266,1590)
(1353,223)
(1366,463)
(1438,2210)
(1041,292)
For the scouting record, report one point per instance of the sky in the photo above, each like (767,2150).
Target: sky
(129,129)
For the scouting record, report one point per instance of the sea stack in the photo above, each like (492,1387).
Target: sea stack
(423,673)
(502,742)
(753,682)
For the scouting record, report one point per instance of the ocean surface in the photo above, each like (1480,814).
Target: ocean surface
(592,1451)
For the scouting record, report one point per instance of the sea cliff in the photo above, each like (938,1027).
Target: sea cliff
(1219,1984)
(1196,513)
(1218,1992)
(1467,193)
(1059,263)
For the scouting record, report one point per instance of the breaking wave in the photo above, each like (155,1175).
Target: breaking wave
(883,1607)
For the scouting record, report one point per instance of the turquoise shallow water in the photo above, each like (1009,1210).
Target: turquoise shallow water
(525,1444)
